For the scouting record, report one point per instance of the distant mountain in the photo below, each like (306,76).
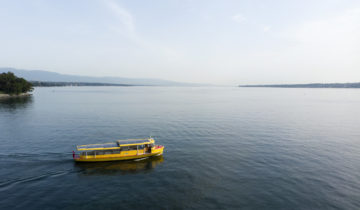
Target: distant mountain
(60,84)
(47,76)
(311,85)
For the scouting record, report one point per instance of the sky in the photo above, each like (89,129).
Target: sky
(217,42)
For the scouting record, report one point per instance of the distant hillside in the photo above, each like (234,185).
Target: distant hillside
(311,85)
(60,84)
(46,76)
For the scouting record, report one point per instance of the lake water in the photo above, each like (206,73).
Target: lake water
(225,148)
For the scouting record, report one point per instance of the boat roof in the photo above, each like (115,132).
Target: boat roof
(133,141)
(115,145)
(98,146)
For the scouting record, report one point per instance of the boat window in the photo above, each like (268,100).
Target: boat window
(116,151)
(101,152)
(133,147)
(104,152)
(108,152)
(91,153)
(127,148)
(141,146)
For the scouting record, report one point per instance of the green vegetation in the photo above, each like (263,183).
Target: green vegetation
(13,85)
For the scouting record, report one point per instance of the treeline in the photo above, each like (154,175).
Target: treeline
(13,85)
(312,85)
(54,84)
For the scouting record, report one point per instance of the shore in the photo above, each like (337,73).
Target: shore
(3,95)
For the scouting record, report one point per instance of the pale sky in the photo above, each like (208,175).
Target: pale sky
(218,42)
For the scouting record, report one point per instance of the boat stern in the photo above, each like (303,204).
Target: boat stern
(76,157)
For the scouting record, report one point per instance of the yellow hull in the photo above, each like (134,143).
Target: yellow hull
(122,156)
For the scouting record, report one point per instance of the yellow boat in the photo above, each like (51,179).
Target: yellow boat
(119,150)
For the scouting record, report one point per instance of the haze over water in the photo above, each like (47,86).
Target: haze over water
(225,148)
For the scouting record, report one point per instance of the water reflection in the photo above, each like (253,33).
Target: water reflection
(15,102)
(120,167)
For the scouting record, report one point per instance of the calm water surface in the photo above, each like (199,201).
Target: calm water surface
(226,148)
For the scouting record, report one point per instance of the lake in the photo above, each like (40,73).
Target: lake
(225,148)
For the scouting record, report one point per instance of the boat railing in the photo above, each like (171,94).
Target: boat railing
(76,156)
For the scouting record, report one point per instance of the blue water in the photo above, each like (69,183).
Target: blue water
(225,148)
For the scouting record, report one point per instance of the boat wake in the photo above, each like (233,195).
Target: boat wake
(140,159)
(4,185)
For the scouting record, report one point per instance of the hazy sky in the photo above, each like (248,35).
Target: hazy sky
(219,42)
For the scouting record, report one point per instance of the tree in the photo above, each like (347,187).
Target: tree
(11,84)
